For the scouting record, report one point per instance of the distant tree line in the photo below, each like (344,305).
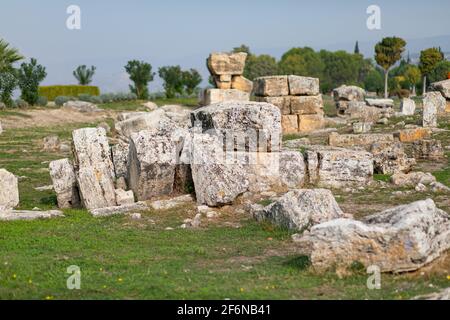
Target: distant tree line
(388,72)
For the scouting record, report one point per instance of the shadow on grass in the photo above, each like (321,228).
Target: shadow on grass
(300,263)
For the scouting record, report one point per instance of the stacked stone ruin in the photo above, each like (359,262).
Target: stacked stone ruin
(444,88)
(227,71)
(298,98)
(351,101)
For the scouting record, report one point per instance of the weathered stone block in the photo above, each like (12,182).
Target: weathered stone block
(65,183)
(338,167)
(428,149)
(289,123)
(284,103)
(355,140)
(310,122)
(227,63)
(94,168)
(151,164)
(9,190)
(307,105)
(303,86)
(241,83)
(212,96)
(407,107)
(301,208)
(349,93)
(400,239)
(244,125)
(410,135)
(216,181)
(271,86)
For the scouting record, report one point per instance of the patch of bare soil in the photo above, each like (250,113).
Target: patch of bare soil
(52,117)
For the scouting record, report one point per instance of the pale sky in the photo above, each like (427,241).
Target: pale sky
(173,32)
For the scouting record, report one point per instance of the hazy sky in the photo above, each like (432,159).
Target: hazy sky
(184,32)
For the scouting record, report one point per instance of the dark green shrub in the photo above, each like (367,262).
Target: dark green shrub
(59,101)
(22,104)
(42,101)
(96,100)
(8,82)
(51,92)
(84,97)
(140,74)
(29,76)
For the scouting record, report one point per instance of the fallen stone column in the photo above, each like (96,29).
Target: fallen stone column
(94,168)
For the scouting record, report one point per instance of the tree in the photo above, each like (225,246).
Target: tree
(440,72)
(141,74)
(342,68)
(8,56)
(173,80)
(260,66)
(84,75)
(387,52)
(374,81)
(191,80)
(301,62)
(8,75)
(29,76)
(412,75)
(429,58)
(257,65)
(356,48)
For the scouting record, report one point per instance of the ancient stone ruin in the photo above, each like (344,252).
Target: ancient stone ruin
(400,239)
(298,98)
(227,71)
(351,102)
(444,88)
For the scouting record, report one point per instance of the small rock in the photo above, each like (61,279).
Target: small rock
(439,187)
(421,187)
(135,216)
(212,214)
(150,106)
(171,203)
(105,126)
(124,197)
(383,121)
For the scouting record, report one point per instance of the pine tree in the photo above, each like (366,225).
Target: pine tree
(357,48)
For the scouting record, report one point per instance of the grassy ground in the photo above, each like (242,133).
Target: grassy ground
(230,257)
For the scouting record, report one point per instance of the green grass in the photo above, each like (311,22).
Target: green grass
(124,259)
(121,258)
(189,102)
(382,177)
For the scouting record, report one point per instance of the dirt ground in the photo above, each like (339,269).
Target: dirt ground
(52,117)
